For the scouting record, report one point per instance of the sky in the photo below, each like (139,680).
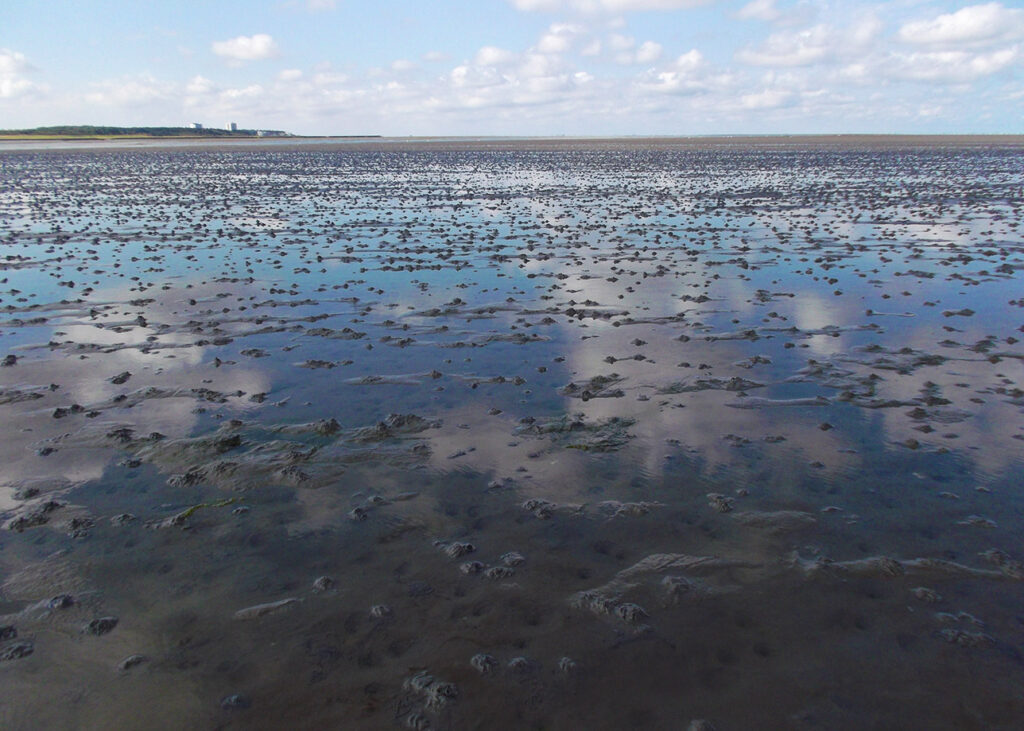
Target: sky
(517,67)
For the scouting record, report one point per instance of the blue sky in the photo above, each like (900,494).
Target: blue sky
(529,67)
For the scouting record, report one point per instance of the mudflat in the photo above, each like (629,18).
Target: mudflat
(500,433)
(511,144)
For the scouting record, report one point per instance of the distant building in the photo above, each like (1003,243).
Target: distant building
(271,133)
(231,127)
(196,125)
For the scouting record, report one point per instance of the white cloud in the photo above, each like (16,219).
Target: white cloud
(501,80)
(249,92)
(246,48)
(289,74)
(681,78)
(204,99)
(813,45)
(799,48)
(767,99)
(553,43)
(951,66)
(326,76)
(435,56)
(558,38)
(131,92)
(690,61)
(493,56)
(199,85)
(13,68)
(618,42)
(759,10)
(860,34)
(567,28)
(402,65)
(768,11)
(469,77)
(538,66)
(605,6)
(857,72)
(649,52)
(971,25)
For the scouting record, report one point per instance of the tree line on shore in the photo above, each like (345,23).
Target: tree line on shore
(84,130)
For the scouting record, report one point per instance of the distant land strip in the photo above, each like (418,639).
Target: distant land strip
(84,131)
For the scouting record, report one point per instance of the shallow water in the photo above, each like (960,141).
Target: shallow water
(750,416)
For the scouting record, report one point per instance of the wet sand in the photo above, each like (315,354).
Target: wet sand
(646,433)
(512,144)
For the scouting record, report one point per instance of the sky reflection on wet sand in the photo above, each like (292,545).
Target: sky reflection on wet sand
(750,418)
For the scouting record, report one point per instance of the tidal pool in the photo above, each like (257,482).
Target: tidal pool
(461,435)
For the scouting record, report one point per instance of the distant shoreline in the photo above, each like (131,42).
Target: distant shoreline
(42,137)
(109,133)
(376,143)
